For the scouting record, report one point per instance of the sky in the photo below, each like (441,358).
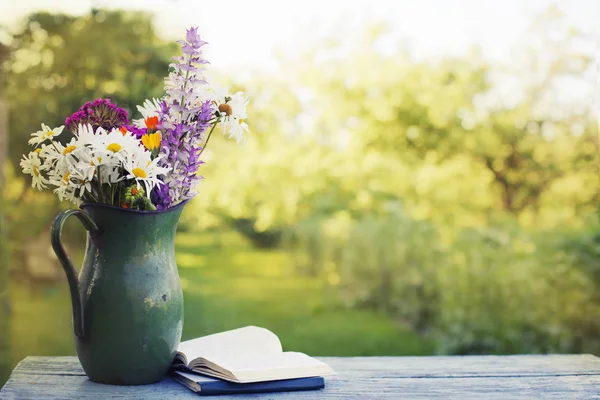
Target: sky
(244,33)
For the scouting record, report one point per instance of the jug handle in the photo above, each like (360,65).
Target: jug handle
(62,256)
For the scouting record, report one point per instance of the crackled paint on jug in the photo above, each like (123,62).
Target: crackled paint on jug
(127,301)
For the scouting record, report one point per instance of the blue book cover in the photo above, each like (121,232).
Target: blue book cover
(206,386)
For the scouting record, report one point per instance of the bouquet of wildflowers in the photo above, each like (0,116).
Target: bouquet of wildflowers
(149,163)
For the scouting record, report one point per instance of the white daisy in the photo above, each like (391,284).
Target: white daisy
(45,134)
(87,163)
(32,164)
(90,153)
(58,155)
(145,170)
(114,146)
(65,188)
(233,113)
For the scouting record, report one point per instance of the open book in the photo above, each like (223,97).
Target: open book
(244,355)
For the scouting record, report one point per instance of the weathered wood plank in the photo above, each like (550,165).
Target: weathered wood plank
(514,377)
(338,387)
(406,367)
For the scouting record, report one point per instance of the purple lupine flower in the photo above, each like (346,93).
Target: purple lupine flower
(98,113)
(185,118)
(160,197)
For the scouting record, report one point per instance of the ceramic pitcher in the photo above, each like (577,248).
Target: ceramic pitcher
(127,301)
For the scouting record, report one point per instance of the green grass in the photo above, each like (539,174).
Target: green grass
(224,288)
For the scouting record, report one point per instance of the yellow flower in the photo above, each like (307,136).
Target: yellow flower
(152,141)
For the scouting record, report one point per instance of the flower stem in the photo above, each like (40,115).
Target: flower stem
(112,194)
(91,193)
(207,138)
(187,72)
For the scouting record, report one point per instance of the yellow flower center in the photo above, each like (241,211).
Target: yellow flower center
(50,134)
(241,121)
(38,150)
(68,149)
(36,171)
(66,177)
(114,147)
(139,173)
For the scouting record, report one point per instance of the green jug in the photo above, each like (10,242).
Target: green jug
(127,301)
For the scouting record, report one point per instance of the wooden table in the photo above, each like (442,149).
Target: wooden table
(472,377)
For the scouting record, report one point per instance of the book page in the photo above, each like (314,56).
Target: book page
(273,366)
(242,343)
(196,378)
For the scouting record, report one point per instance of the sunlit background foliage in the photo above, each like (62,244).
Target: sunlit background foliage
(383,205)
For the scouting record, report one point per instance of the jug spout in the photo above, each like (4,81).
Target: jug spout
(90,226)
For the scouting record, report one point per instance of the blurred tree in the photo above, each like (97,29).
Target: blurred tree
(4,248)
(59,61)
(459,140)
(542,125)
(519,124)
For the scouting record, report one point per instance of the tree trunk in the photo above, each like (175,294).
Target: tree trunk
(5,359)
